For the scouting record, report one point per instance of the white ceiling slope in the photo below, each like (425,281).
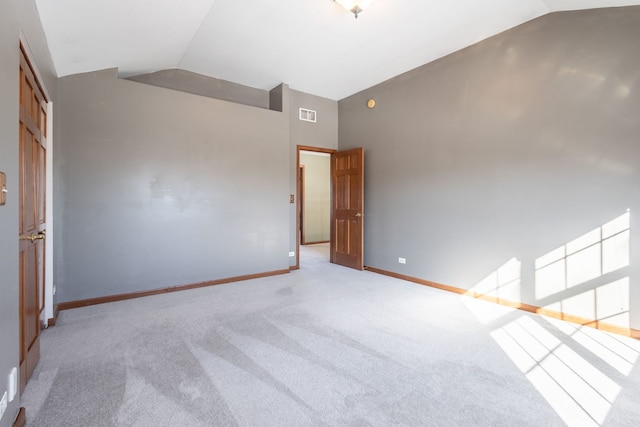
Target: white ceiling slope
(313,45)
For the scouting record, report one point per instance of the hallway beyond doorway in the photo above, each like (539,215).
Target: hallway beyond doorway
(314,254)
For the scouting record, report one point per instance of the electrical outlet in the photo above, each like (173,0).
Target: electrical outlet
(3,404)
(402,260)
(292,254)
(13,384)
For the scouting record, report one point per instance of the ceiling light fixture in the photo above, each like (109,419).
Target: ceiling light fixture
(354,6)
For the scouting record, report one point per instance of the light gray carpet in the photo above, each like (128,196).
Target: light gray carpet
(327,346)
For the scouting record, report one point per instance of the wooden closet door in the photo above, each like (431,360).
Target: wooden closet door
(32,197)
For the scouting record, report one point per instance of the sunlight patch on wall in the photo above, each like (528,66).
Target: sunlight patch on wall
(612,302)
(502,284)
(599,252)
(583,278)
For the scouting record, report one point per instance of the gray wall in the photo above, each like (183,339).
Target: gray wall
(15,17)
(198,84)
(510,148)
(157,188)
(97,103)
(322,134)
(9,321)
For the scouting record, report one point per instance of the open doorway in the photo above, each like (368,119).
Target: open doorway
(346,213)
(314,204)
(315,197)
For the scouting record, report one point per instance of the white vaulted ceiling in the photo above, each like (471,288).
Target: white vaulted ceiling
(313,45)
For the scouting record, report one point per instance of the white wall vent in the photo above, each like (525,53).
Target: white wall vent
(307,115)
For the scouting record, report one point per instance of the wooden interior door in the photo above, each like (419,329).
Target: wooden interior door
(347,208)
(33,132)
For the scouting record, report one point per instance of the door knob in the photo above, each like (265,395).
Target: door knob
(358,214)
(33,237)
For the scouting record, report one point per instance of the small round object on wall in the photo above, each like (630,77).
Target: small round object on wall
(371,103)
